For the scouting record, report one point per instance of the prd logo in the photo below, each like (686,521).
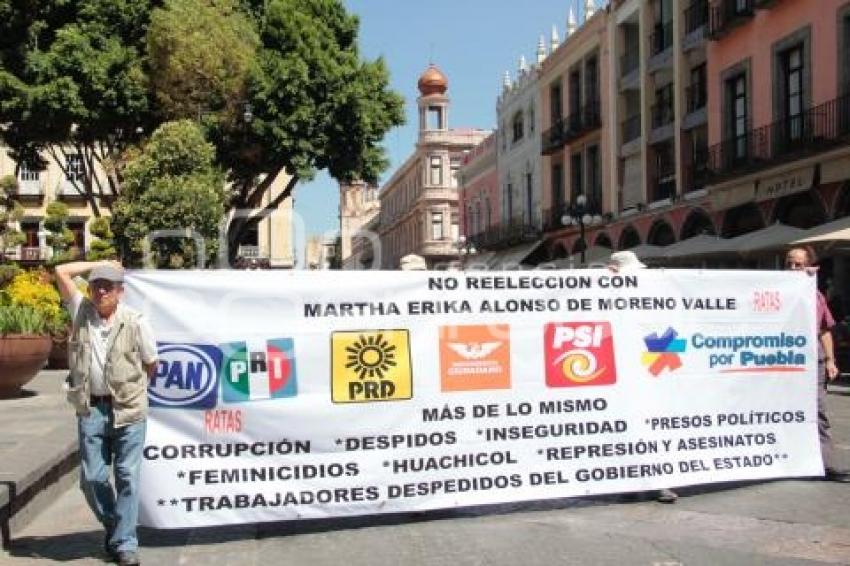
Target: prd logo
(186,376)
(257,370)
(475,357)
(370,365)
(579,354)
(662,352)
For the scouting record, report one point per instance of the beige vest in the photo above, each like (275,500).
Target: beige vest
(124,373)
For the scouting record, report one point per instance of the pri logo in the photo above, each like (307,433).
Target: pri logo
(186,376)
(579,354)
(370,365)
(475,357)
(254,371)
(663,351)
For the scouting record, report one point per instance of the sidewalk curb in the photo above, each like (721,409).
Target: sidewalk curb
(21,500)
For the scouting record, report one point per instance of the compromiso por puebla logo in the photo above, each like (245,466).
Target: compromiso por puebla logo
(753,353)
(186,376)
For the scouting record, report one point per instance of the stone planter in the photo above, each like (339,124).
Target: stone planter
(21,358)
(58,358)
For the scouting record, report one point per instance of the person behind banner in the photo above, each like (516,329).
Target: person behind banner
(804,259)
(112,354)
(618,263)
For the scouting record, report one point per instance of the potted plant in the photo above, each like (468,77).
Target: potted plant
(29,309)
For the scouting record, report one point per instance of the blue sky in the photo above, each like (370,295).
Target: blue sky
(472,41)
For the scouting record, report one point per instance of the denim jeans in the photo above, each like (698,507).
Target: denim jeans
(101,444)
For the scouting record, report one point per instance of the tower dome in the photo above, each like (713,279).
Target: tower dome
(433,81)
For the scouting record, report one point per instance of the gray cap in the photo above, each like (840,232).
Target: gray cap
(108,273)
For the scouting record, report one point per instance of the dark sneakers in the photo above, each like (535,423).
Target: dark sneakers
(666,496)
(840,476)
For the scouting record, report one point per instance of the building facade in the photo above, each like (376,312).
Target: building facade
(479,195)
(358,207)
(576,109)
(518,150)
(270,241)
(419,203)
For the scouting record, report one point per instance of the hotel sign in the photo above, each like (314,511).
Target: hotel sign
(796,181)
(734,196)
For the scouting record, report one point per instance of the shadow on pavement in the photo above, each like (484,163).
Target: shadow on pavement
(213,535)
(59,548)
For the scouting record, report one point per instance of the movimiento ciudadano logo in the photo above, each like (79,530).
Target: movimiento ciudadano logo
(662,352)
(186,376)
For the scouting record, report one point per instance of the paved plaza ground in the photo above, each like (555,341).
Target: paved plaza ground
(780,522)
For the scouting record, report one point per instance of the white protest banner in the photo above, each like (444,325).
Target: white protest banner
(287,395)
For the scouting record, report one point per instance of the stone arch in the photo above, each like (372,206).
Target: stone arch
(629,238)
(603,240)
(801,210)
(742,220)
(661,234)
(842,202)
(698,222)
(558,251)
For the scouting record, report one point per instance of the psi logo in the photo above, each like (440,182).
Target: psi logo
(475,357)
(579,353)
(370,365)
(186,376)
(261,370)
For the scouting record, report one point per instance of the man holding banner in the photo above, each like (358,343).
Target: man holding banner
(112,353)
(798,259)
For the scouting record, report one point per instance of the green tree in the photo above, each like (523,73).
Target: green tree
(103,246)
(172,183)
(73,80)
(11,212)
(316,105)
(60,238)
(280,85)
(200,53)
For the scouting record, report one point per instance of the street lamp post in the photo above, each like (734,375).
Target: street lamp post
(465,248)
(578,215)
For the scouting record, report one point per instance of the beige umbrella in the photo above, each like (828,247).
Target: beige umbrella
(831,232)
(696,246)
(774,237)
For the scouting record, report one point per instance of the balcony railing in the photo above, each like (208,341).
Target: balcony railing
(663,187)
(249,251)
(662,114)
(30,190)
(696,97)
(502,236)
(553,139)
(631,128)
(696,16)
(630,61)
(695,173)
(818,129)
(31,253)
(661,38)
(577,124)
(726,14)
(552,217)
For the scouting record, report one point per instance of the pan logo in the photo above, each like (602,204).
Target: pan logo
(186,376)
(254,371)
